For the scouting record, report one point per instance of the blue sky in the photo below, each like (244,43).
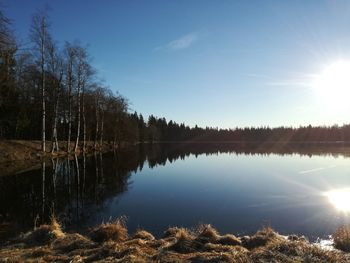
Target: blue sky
(211,63)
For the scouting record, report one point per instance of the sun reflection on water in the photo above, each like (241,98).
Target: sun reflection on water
(340,199)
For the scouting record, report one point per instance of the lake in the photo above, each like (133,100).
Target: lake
(238,188)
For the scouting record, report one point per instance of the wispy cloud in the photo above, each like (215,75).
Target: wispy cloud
(182,42)
(295,79)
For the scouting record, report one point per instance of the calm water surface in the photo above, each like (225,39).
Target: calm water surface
(236,189)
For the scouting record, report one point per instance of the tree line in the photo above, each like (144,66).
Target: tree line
(161,130)
(52,93)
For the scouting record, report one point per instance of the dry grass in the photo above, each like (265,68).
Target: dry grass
(207,234)
(176,232)
(184,241)
(71,242)
(142,234)
(230,240)
(205,244)
(296,251)
(261,238)
(341,238)
(44,234)
(115,231)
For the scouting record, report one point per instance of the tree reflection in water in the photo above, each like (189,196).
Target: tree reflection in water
(76,188)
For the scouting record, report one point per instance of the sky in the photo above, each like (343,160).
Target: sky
(213,63)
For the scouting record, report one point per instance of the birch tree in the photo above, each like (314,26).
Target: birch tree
(40,36)
(89,72)
(55,68)
(97,94)
(70,59)
(82,76)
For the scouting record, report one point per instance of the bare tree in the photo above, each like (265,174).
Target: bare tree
(82,75)
(84,118)
(89,73)
(97,106)
(97,94)
(70,59)
(100,106)
(8,89)
(39,35)
(58,86)
(55,66)
(6,37)
(102,113)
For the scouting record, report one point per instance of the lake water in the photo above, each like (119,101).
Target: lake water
(236,188)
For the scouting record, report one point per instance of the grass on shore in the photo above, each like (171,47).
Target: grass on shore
(342,238)
(15,150)
(18,156)
(110,242)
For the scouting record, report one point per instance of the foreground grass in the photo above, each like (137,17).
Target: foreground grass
(110,242)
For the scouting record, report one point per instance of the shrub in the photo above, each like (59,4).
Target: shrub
(341,238)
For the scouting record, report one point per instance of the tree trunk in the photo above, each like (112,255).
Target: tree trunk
(43,166)
(43,84)
(69,121)
(96,176)
(79,114)
(97,119)
(54,130)
(84,120)
(78,183)
(102,124)
(69,105)
(114,141)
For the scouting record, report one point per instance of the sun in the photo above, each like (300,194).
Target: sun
(333,84)
(340,199)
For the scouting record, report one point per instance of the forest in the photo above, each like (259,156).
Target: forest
(52,93)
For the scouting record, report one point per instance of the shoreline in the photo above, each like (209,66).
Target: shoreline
(23,150)
(17,156)
(30,150)
(111,242)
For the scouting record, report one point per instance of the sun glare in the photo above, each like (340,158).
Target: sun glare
(340,199)
(333,83)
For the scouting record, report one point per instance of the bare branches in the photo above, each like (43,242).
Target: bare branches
(55,87)
(40,38)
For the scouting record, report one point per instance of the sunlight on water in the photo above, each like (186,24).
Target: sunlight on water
(340,199)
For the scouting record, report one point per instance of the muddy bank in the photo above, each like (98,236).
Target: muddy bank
(111,242)
(16,150)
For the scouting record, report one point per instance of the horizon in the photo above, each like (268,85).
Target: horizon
(226,65)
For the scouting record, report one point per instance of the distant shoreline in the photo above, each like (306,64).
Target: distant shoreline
(30,150)
(18,156)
